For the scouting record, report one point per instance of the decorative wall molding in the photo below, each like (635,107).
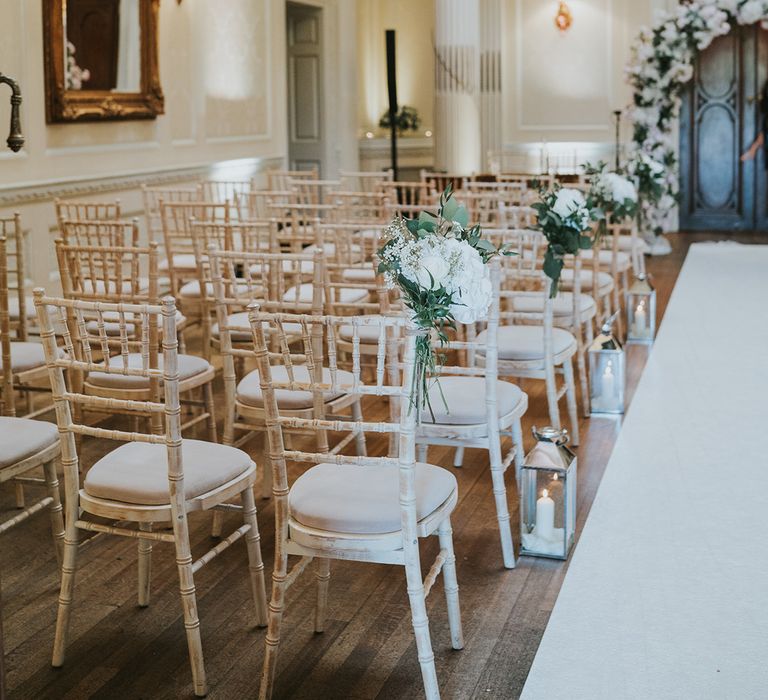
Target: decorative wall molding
(32,193)
(407,146)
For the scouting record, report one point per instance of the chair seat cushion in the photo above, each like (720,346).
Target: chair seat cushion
(369,335)
(627,242)
(137,472)
(188,365)
(240,328)
(342,295)
(181,261)
(465,400)
(562,304)
(364,500)
(527,342)
(192,289)
(25,356)
(21,438)
(606,258)
(359,274)
(13,307)
(249,388)
(604,280)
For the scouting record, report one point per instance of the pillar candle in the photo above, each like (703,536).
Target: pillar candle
(545,516)
(640,320)
(609,383)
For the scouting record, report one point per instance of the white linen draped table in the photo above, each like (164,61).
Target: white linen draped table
(665,597)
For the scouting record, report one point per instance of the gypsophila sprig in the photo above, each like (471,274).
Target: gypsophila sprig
(439,263)
(564,217)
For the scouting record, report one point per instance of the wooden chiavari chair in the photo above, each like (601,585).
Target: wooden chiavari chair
(254,236)
(471,407)
(224,191)
(26,445)
(368,509)
(295,229)
(22,362)
(407,198)
(154,478)
(112,275)
(152,196)
(261,205)
(355,181)
(371,210)
(279,283)
(438,181)
(89,211)
(313,192)
(280,180)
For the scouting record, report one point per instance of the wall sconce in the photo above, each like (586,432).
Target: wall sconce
(564,17)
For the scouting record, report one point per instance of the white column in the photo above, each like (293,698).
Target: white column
(457,86)
(490,79)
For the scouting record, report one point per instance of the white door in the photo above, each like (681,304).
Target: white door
(305,88)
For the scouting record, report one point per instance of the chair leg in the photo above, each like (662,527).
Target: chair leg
(517,436)
(451,584)
(210,410)
(422,452)
(570,397)
(145,566)
(357,415)
(420,623)
(57,512)
(581,364)
(458,457)
(255,562)
(502,510)
(68,568)
(189,604)
(323,575)
(276,607)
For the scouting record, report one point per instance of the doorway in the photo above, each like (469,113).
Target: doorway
(306,125)
(719,119)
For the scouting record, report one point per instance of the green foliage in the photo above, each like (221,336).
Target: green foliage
(407,119)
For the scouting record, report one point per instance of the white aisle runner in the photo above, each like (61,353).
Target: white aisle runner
(667,593)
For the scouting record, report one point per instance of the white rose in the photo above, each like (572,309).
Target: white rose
(621,188)
(567,202)
(471,302)
(431,271)
(750,12)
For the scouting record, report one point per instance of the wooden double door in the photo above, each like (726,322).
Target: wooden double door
(719,119)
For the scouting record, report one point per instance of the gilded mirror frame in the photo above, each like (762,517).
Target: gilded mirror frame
(62,105)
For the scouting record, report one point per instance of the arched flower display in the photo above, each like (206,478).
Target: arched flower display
(661,63)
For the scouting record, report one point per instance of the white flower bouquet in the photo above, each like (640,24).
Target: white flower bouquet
(440,265)
(564,217)
(610,194)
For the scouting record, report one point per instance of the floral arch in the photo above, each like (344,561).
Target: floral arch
(660,65)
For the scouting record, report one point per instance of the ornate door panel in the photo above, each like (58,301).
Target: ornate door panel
(718,120)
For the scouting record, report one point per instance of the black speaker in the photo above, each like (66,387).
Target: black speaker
(392,91)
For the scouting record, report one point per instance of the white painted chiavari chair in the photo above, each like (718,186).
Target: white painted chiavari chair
(471,407)
(366,181)
(113,275)
(90,211)
(154,478)
(22,363)
(368,509)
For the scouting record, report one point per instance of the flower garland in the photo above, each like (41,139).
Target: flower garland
(660,65)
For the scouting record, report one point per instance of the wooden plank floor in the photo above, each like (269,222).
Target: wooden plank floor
(120,651)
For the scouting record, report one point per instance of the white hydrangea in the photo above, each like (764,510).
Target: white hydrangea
(619,188)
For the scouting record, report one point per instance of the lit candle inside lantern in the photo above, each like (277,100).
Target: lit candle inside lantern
(609,382)
(545,516)
(640,321)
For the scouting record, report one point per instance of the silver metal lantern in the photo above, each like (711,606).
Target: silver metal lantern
(548,496)
(641,311)
(607,373)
